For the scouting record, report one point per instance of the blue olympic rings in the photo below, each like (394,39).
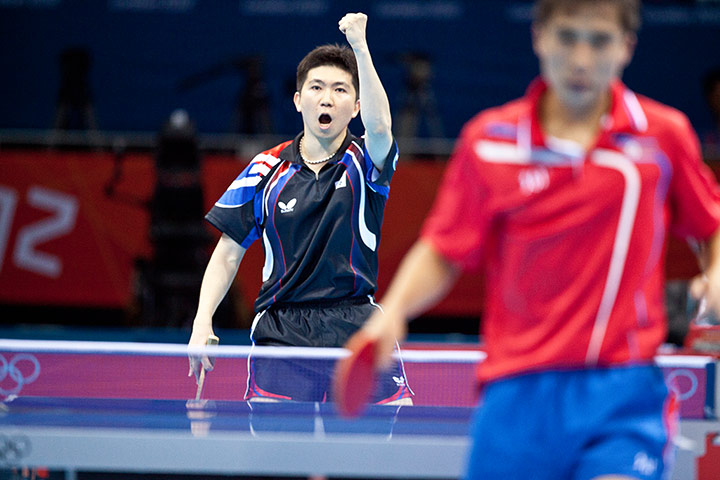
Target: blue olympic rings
(13,448)
(11,369)
(674,386)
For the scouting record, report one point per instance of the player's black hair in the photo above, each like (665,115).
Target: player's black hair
(629,11)
(331,54)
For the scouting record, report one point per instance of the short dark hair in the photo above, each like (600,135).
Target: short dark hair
(630,17)
(333,55)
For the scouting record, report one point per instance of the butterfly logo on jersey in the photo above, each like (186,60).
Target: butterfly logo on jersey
(533,180)
(645,464)
(287,207)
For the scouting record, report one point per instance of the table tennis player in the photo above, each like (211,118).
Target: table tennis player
(317,203)
(565,198)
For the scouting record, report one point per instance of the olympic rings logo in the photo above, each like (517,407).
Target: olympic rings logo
(13,448)
(17,377)
(673,382)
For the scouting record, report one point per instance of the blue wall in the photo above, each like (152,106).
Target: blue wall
(142,49)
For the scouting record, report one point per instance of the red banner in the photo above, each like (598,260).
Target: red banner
(62,241)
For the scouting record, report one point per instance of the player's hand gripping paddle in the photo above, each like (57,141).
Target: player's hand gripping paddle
(355,375)
(212,340)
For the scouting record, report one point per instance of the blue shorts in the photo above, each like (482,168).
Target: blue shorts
(575,425)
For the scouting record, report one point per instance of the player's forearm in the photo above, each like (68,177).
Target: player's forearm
(713,250)
(423,279)
(218,277)
(707,284)
(712,272)
(374,104)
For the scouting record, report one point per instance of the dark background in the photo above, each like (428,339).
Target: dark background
(149,57)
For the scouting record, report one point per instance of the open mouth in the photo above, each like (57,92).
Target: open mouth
(324,119)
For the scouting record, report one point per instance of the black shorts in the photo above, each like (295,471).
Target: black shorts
(326,324)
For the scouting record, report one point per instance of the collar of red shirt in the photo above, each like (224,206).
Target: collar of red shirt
(626,113)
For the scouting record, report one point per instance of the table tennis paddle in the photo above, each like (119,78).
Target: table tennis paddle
(212,340)
(355,375)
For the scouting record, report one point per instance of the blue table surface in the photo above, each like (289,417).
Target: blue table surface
(233,416)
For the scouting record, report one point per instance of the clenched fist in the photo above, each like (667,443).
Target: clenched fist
(353,26)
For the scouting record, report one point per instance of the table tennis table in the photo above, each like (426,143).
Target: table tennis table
(96,412)
(234,437)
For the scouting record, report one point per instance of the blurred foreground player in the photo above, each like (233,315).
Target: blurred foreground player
(565,197)
(317,202)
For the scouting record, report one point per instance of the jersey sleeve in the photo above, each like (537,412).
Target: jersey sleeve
(238,212)
(379,180)
(695,194)
(458,222)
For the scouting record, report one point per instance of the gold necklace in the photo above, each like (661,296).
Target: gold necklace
(312,162)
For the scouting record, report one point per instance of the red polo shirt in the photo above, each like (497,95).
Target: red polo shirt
(573,241)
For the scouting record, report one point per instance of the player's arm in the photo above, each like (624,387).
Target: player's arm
(708,284)
(374,104)
(423,279)
(218,277)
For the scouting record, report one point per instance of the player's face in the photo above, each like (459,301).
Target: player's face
(582,51)
(327,102)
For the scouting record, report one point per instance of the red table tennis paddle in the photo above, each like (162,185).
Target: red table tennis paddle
(355,375)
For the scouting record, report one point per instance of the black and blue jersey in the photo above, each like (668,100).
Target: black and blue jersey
(320,233)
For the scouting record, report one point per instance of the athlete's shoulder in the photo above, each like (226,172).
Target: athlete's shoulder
(275,151)
(669,126)
(264,161)
(663,117)
(498,122)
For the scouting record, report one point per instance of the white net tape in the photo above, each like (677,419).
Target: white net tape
(166,349)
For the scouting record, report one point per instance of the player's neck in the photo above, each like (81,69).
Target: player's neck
(578,125)
(314,148)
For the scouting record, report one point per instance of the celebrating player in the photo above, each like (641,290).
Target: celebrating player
(317,203)
(565,197)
